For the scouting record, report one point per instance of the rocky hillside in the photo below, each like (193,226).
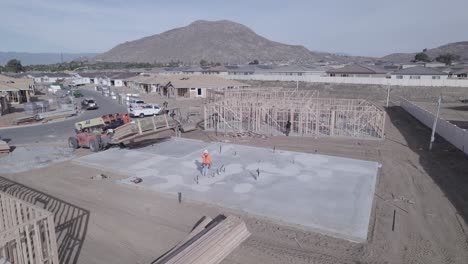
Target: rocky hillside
(457,48)
(218,41)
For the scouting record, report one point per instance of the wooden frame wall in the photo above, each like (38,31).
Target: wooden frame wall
(267,111)
(27,233)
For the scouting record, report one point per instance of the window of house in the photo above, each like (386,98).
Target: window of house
(193,89)
(415,77)
(344,75)
(399,76)
(332,75)
(199,91)
(435,77)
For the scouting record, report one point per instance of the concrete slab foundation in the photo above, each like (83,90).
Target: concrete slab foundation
(328,194)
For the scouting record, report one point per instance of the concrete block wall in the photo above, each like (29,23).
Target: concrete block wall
(354,80)
(450,132)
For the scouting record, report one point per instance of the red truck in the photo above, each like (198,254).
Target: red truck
(94,133)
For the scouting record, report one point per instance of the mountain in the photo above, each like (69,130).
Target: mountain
(41,58)
(218,41)
(457,48)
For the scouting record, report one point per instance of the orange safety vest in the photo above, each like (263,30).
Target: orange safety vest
(206,159)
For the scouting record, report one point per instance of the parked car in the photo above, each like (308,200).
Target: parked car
(144,110)
(89,104)
(134,101)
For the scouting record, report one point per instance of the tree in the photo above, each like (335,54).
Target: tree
(447,58)
(203,63)
(421,56)
(424,50)
(14,65)
(254,62)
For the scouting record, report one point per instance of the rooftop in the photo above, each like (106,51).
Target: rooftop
(359,69)
(185,81)
(419,70)
(461,71)
(9,83)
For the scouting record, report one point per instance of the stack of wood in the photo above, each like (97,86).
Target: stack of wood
(142,126)
(4,147)
(209,242)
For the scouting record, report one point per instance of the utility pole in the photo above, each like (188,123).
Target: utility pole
(435,123)
(388,95)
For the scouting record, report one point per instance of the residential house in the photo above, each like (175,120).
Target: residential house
(460,74)
(419,73)
(16,90)
(51,77)
(216,70)
(248,69)
(197,70)
(182,85)
(118,79)
(358,70)
(412,64)
(294,70)
(435,64)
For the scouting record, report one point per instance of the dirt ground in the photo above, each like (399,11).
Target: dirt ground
(100,221)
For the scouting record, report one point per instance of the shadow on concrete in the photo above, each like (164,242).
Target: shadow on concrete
(6,139)
(445,164)
(147,142)
(459,123)
(459,108)
(71,222)
(199,166)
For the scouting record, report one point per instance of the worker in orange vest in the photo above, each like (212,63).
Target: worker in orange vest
(206,162)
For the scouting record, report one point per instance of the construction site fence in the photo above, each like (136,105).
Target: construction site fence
(455,135)
(27,233)
(352,80)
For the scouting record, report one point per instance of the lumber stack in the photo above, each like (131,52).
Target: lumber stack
(142,126)
(209,243)
(4,147)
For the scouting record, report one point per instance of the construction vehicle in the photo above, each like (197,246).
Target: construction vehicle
(95,133)
(100,133)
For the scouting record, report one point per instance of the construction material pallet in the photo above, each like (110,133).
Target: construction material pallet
(208,243)
(4,147)
(142,127)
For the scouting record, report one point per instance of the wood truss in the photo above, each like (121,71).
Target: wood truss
(291,111)
(27,233)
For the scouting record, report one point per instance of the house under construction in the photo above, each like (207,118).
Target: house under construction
(278,111)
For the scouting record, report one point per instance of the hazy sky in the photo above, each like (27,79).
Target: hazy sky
(357,27)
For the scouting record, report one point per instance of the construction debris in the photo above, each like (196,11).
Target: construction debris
(136,180)
(4,147)
(209,242)
(99,176)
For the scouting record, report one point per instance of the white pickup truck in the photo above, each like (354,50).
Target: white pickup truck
(144,110)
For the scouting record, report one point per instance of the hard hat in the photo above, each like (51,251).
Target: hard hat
(205,152)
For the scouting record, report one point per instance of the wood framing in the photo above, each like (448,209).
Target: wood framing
(292,112)
(27,233)
(209,243)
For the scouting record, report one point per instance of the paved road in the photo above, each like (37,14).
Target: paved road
(61,130)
